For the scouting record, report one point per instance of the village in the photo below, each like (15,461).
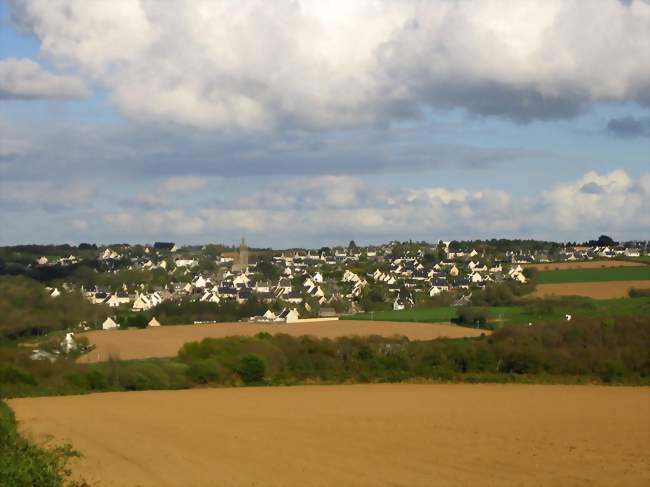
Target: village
(300,284)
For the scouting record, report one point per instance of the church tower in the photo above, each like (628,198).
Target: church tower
(243,254)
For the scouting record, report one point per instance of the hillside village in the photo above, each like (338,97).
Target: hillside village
(300,283)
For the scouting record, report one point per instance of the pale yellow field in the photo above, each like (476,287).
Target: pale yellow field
(589,264)
(359,435)
(595,290)
(167,340)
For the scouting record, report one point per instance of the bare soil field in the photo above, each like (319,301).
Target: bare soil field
(589,264)
(595,290)
(167,340)
(356,435)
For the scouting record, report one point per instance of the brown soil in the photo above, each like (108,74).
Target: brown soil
(167,340)
(589,264)
(359,435)
(595,290)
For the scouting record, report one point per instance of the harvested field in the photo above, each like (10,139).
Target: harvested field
(589,264)
(167,340)
(595,275)
(359,435)
(595,290)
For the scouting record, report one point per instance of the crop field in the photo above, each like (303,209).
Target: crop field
(586,264)
(637,273)
(167,340)
(594,290)
(352,435)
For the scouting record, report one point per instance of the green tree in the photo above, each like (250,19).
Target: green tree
(251,369)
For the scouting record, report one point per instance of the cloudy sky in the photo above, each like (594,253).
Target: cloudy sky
(306,122)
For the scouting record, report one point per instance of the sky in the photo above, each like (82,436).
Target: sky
(311,123)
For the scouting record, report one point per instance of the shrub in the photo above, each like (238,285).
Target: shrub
(95,380)
(12,374)
(24,464)
(639,293)
(204,371)
(251,369)
(473,316)
(521,362)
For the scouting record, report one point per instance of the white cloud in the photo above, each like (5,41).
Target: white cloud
(252,64)
(613,200)
(25,79)
(21,195)
(352,208)
(183,184)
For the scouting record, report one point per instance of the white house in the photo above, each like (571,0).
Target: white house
(153,322)
(109,324)
(210,297)
(292,315)
(68,344)
(476,278)
(199,282)
(142,303)
(435,290)
(112,301)
(186,262)
(453,272)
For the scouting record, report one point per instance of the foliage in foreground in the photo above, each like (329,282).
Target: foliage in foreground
(584,349)
(27,310)
(24,464)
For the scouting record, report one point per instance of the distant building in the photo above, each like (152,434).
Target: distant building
(242,260)
(109,324)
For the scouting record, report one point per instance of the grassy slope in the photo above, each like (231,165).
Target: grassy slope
(595,275)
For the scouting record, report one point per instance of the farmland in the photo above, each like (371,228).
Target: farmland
(637,273)
(167,340)
(584,264)
(594,290)
(355,435)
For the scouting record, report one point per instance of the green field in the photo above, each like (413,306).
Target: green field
(595,275)
(418,315)
(539,310)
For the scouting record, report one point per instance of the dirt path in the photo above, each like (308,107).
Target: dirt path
(167,340)
(361,435)
(595,290)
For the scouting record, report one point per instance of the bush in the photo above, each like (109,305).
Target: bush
(204,371)
(96,381)
(251,369)
(24,464)
(472,316)
(12,374)
(639,293)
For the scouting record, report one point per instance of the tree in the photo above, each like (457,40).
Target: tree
(251,369)
(268,270)
(352,245)
(605,241)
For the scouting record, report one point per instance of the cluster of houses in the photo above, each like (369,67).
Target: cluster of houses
(302,283)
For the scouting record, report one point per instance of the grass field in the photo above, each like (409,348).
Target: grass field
(639,273)
(417,315)
(353,435)
(517,315)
